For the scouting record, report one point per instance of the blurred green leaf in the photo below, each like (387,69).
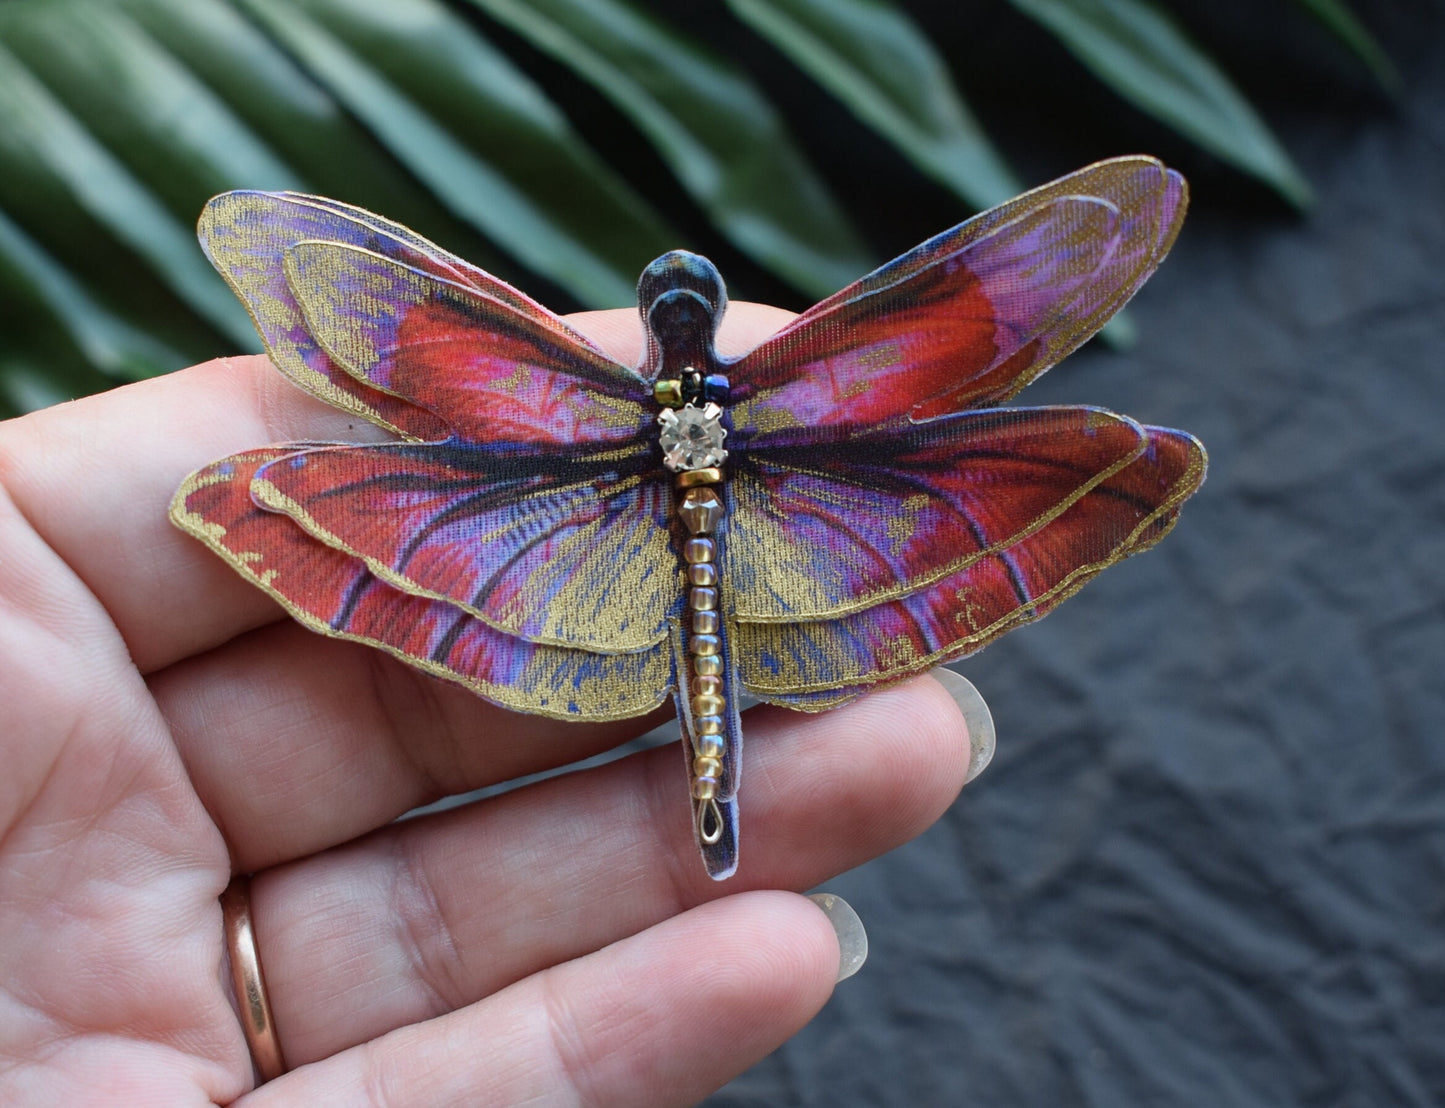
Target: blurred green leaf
(107,342)
(874,58)
(716,131)
(35,128)
(27,387)
(1342,23)
(539,193)
(300,120)
(171,131)
(1140,53)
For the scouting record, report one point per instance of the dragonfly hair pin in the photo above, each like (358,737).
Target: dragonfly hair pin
(840,508)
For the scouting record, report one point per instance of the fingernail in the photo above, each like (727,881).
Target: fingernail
(975,714)
(852,939)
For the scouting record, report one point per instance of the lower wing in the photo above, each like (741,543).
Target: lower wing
(811,665)
(335,594)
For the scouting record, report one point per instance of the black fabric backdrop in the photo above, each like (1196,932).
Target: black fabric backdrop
(1207,865)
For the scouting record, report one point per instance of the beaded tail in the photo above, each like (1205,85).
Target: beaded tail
(714,816)
(706,681)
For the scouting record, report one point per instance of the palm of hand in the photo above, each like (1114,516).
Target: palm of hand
(165,727)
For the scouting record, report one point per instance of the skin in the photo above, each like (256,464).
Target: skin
(166,727)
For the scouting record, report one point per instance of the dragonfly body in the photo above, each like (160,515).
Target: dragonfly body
(842,507)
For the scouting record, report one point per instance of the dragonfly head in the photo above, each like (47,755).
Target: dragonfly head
(678,269)
(682,300)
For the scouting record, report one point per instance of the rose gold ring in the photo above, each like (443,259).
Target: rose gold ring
(249,983)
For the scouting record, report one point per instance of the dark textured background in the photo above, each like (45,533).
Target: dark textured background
(1207,866)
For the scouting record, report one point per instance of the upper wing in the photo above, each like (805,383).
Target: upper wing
(818,531)
(495,375)
(969,317)
(335,594)
(808,664)
(247,234)
(571,553)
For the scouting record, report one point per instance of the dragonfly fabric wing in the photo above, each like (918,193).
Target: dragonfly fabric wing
(246,236)
(395,241)
(820,530)
(492,373)
(571,555)
(969,317)
(335,594)
(794,663)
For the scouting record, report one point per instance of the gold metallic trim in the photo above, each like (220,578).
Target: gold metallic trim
(694,478)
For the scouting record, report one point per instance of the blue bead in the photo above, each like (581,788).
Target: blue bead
(715,388)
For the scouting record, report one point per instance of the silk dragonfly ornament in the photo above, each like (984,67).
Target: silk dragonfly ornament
(841,508)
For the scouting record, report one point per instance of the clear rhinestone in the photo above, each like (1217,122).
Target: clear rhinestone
(692,437)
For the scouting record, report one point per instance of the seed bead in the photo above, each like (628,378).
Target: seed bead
(707,665)
(706,767)
(702,600)
(705,623)
(704,788)
(699,550)
(707,705)
(707,686)
(705,646)
(704,574)
(708,725)
(709,746)
(668,393)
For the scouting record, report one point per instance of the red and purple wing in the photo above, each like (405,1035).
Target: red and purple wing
(970,317)
(813,664)
(543,513)
(247,235)
(821,530)
(573,554)
(493,374)
(334,594)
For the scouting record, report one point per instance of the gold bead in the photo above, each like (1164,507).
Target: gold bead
(707,665)
(702,600)
(705,622)
(704,573)
(710,746)
(706,767)
(699,550)
(668,393)
(692,478)
(708,725)
(704,788)
(701,510)
(707,686)
(707,705)
(705,646)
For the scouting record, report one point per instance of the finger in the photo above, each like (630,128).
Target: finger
(95,478)
(430,915)
(295,742)
(661,1018)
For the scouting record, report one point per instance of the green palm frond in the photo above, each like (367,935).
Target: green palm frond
(118,118)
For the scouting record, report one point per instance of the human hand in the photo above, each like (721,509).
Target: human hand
(166,727)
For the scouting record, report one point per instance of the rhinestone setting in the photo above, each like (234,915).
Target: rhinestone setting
(692,437)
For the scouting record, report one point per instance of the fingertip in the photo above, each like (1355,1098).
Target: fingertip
(771,949)
(746,324)
(617,332)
